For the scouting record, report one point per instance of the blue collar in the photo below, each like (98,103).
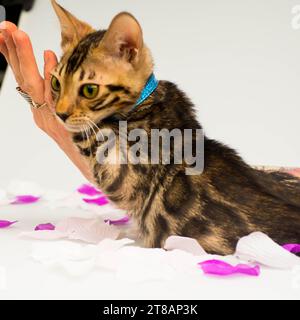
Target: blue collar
(149,88)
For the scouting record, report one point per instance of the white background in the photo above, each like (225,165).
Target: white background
(238,60)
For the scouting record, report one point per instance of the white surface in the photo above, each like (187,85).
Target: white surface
(237,60)
(29,279)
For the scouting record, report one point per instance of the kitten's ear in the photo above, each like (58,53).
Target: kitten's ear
(124,37)
(72,29)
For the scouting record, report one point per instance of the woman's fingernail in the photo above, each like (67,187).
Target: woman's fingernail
(2,25)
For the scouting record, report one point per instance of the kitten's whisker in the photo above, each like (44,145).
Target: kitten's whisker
(95,133)
(99,130)
(82,133)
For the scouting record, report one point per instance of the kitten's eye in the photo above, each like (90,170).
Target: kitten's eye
(89,91)
(55,84)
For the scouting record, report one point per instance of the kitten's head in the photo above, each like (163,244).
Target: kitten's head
(101,73)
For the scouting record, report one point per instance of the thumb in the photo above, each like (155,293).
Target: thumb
(50,62)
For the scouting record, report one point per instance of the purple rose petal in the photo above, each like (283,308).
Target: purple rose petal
(6,224)
(221,268)
(101,201)
(27,199)
(293,247)
(118,222)
(88,190)
(45,226)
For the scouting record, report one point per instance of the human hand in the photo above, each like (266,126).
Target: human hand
(16,47)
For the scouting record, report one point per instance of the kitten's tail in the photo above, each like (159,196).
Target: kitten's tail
(280,185)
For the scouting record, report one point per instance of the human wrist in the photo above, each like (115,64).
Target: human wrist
(70,149)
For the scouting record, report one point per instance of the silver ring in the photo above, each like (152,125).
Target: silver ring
(27,97)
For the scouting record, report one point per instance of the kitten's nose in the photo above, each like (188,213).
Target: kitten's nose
(63,116)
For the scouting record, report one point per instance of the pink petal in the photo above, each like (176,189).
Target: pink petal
(87,230)
(6,224)
(27,199)
(221,268)
(45,226)
(88,190)
(101,201)
(293,248)
(118,222)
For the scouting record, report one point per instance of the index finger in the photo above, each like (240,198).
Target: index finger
(33,82)
(3,48)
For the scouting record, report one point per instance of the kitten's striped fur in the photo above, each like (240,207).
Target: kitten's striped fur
(228,201)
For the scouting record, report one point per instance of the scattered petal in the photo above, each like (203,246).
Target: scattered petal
(118,222)
(258,247)
(185,262)
(221,268)
(73,258)
(186,244)
(87,230)
(50,251)
(76,259)
(293,248)
(113,245)
(6,224)
(17,187)
(44,226)
(73,200)
(101,201)
(88,190)
(26,199)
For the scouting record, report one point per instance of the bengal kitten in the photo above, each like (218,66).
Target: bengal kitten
(97,82)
